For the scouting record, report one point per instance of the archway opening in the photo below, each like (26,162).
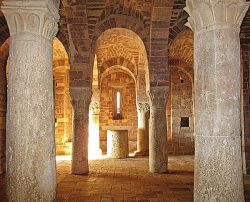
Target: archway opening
(180,106)
(62,100)
(120,66)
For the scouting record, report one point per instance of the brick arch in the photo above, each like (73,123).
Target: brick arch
(182,48)
(178,28)
(61,35)
(144,54)
(115,69)
(178,20)
(118,52)
(122,7)
(119,61)
(4,50)
(60,55)
(120,21)
(189,70)
(158,57)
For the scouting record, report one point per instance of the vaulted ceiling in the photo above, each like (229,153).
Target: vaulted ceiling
(182,48)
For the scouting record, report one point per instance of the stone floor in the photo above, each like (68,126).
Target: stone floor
(126,180)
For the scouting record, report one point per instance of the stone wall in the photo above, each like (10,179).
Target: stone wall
(63,113)
(180,104)
(126,85)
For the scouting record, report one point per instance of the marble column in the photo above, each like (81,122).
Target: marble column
(80,101)
(158,156)
(30,153)
(94,134)
(218,160)
(142,132)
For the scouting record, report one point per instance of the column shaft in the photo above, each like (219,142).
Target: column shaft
(81,100)
(158,156)
(31,165)
(30,143)
(94,134)
(218,160)
(143,130)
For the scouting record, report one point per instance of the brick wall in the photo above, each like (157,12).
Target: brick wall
(180,104)
(128,106)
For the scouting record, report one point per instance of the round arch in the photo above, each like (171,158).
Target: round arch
(119,61)
(182,48)
(115,69)
(137,39)
(119,21)
(61,36)
(63,107)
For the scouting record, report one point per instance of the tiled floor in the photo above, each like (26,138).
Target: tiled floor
(126,180)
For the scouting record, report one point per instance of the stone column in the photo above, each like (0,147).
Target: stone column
(80,101)
(94,135)
(142,132)
(158,156)
(31,165)
(218,160)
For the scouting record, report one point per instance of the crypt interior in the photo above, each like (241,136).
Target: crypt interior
(125,100)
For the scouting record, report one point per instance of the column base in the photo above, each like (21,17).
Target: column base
(80,171)
(141,153)
(79,167)
(163,169)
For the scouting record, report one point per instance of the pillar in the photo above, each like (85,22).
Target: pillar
(158,156)
(142,132)
(80,101)
(94,134)
(30,153)
(218,160)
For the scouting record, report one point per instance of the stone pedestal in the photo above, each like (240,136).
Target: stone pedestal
(31,163)
(80,102)
(158,153)
(142,133)
(94,135)
(117,141)
(218,160)
(117,146)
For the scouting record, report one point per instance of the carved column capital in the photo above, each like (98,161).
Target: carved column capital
(143,107)
(81,98)
(215,14)
(80,93)
(34,17)
(94,107)
(158,97)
